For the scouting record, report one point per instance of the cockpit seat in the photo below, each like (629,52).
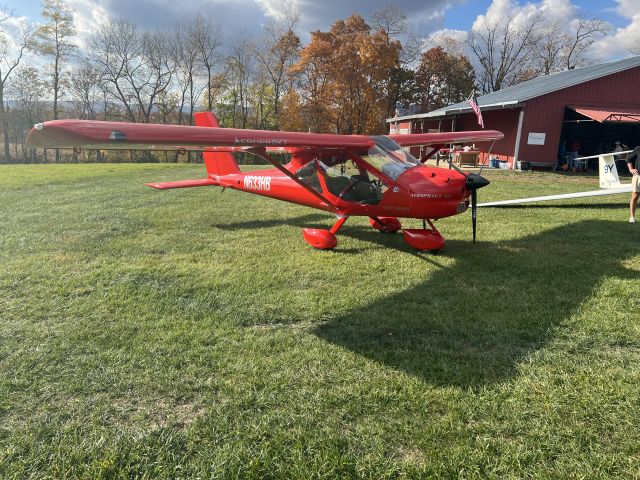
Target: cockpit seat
(337,185)
(364,191)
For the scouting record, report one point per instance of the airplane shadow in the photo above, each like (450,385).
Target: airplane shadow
(301,221)
(471,324)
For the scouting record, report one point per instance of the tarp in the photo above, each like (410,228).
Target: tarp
(603,114)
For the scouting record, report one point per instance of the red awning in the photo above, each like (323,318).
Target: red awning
(603,114)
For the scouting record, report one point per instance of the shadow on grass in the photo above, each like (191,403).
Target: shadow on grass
(471,324)
(301,221)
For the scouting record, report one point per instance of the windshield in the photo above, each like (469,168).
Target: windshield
(389,157)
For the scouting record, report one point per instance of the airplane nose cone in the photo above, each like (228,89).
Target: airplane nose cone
(475,182)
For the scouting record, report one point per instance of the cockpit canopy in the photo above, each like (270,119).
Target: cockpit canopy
(360,177)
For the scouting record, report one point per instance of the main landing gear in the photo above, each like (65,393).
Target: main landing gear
(424,239)
(421,239)
(323,239)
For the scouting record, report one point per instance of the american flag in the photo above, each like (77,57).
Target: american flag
(474,105)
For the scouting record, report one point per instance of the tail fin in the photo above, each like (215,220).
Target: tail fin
(609,172)
(216,163)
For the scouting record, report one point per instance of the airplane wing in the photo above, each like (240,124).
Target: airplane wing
(609,185)
(564,196)
(145,136)
(443,138)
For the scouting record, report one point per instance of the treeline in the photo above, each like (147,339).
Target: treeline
(347,80)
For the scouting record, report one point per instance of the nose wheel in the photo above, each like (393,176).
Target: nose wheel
(385,224)
(425,239)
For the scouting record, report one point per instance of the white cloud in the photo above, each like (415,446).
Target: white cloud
(458,35)
(621,40)
(554,11)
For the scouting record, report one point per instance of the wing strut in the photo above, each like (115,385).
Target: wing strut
(261,152)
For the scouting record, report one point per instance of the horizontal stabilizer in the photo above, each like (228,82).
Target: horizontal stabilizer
(200,182)
(565,196)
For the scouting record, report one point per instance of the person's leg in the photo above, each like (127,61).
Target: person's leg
(635,192)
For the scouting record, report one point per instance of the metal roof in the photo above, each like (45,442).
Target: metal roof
(514,96)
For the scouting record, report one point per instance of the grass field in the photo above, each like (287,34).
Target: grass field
(194,334)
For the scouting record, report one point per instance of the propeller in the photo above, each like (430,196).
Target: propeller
(473,183)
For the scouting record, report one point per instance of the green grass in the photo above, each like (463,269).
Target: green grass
(194,334)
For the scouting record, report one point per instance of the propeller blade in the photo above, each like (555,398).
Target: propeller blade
(473,183)
(474,212)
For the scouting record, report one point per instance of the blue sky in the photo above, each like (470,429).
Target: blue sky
(426,16)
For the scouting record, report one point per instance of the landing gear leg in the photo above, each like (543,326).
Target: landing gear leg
(385,224)
(323,239)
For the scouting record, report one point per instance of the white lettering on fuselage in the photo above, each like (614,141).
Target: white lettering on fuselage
(252,182)
(261,141)
(431,195)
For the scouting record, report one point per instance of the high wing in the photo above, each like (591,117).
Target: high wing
(564,196)
(144,136)
(443,138)
(609,185)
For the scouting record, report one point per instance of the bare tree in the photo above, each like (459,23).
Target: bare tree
(189,69)
(10,57)
(206,36)
(85,90)
(549,48)
(277,53)
(240,66)
(28,89)
(134,68)
(391,20)
(585,32)
(503,52)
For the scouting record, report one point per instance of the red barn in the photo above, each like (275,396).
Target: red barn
(595,106)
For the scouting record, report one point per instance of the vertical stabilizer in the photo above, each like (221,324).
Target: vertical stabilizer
(608,172)
(217,163)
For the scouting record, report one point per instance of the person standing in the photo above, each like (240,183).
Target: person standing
(574,152)
(633,162)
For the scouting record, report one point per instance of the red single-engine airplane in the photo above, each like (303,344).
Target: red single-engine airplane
(348,175)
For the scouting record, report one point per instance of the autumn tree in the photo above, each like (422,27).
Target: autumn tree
(291,116)
(314,76)
(443,78)
(345,76)
(53,39)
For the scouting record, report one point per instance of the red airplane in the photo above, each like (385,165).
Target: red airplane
(347,175)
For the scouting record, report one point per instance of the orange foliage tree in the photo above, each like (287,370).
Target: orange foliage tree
(443,78)
(344,77)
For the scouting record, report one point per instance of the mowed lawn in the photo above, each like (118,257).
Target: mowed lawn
(194,334)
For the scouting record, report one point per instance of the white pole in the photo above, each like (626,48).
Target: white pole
(518,137)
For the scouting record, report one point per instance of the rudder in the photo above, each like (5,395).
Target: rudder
(217,163)
(608,172)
